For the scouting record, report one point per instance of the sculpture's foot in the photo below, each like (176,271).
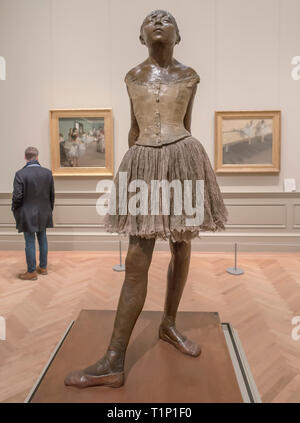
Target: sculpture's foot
(174,337)
(101,373)
(80,379)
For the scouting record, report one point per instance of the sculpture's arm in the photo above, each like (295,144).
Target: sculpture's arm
(134,128)
(188,115)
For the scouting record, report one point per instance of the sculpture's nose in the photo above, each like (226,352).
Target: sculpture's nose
(158,21)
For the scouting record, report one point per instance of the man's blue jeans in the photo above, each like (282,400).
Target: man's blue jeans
(30,249)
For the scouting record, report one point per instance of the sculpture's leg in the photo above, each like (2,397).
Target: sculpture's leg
(109,369)
(177,276)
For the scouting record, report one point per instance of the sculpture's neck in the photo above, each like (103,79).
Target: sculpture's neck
(161,55)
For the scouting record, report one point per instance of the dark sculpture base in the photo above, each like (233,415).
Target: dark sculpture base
(154,370)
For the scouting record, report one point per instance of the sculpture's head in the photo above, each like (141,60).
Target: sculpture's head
(159,26)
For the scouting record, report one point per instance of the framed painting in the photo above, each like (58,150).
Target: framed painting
(81,142)
(247,142)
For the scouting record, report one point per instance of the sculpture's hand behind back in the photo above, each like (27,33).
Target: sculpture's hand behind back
(134,128)
(188,115)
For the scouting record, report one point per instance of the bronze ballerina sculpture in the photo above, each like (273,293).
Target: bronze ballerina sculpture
(161,92)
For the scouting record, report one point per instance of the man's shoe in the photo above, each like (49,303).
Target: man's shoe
(28,276)
(42,271)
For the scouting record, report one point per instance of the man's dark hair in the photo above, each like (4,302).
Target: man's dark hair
(31,153)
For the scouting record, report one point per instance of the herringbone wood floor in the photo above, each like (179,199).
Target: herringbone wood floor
(260,305)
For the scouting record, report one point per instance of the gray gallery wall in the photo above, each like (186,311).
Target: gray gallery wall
(75,53)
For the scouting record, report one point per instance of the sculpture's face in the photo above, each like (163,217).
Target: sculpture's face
(159,27)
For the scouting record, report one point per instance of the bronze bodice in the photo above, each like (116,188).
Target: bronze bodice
(160,108)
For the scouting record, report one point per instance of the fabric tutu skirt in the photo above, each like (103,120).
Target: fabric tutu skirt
(183,160)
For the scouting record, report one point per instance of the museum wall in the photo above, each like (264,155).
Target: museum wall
(75,54)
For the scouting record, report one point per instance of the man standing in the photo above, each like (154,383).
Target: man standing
(32,206)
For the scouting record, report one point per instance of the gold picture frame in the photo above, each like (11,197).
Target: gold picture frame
(247,142)
(81,142)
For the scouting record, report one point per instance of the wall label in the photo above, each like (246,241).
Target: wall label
(296,70)
(2,69)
